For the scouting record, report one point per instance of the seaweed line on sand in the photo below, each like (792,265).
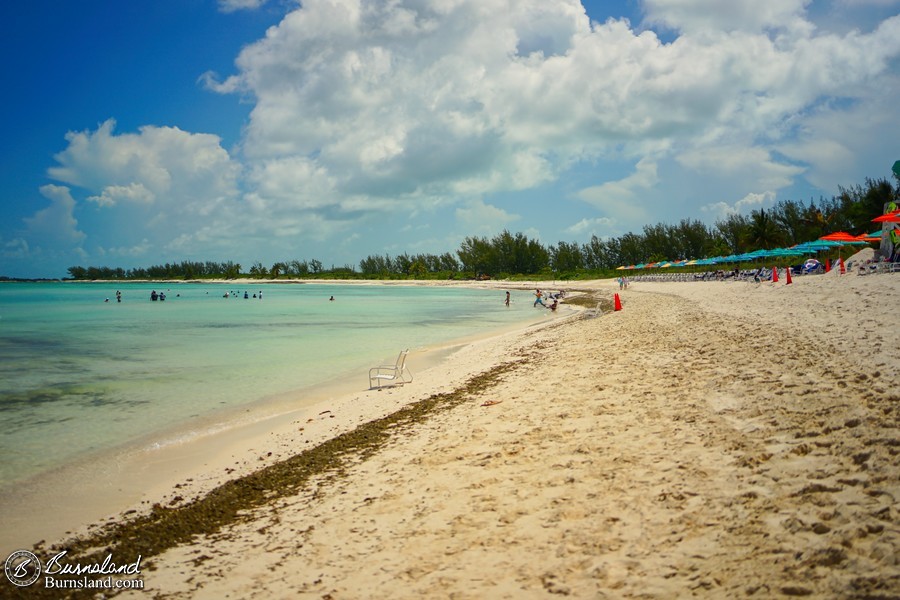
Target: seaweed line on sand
(165,527)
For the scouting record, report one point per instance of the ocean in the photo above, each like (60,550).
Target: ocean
(81,372)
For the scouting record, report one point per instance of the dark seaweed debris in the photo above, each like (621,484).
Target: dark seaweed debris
(165,527)
(590,300)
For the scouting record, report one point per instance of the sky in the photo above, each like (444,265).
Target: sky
(151,131)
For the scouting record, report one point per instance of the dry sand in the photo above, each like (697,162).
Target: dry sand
(717,439)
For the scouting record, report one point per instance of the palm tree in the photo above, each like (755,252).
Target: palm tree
(764,232)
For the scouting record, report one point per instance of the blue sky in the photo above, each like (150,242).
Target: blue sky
(144,132)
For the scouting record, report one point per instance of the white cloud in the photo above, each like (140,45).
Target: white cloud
(164,166)
(745,205)
(592,226)
(133,192)
(484,218)
(16,248)
(143,248)
(622,199)
(228,6)
(755,166)
(843,144)
(714,15)
(855,3)
(402,101)
(159,183)
(55,226)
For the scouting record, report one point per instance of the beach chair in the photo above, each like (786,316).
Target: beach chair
(590,313)
(396,373)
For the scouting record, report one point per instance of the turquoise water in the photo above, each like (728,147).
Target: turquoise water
(80,375)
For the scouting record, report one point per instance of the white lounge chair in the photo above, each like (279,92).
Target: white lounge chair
(396,373)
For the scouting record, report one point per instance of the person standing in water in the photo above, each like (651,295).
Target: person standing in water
(507,299)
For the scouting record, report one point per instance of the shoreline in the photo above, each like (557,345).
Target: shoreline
(190,459)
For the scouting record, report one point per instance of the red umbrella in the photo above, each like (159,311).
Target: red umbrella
(839,236)
(844,238)
(865,237)
(891,217)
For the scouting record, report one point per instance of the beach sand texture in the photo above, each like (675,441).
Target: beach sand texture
(711,439)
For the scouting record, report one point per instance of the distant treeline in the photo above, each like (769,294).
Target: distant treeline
(508,255)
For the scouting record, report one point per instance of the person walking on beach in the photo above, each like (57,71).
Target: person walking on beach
(507,299)
(538,298)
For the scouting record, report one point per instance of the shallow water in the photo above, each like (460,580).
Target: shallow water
(79,375)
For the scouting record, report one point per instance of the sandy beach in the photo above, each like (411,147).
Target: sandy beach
(716,439)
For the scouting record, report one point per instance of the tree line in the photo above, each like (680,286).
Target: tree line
(506,254)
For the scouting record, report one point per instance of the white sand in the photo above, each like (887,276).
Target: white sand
(711,439)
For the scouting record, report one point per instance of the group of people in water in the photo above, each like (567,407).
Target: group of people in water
(233,294)
(539,299)
(161,296)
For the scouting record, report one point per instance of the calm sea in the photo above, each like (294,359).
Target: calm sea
(79,374)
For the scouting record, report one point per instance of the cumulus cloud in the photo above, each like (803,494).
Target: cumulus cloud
(710,15)
(160,181)
(164,166)
(404,102)
(56,224)
(133,192)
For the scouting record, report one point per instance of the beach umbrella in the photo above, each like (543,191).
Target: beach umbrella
(622,268)
(840,236)
(891,217)
(816,246)
(843,238)
(869,237)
